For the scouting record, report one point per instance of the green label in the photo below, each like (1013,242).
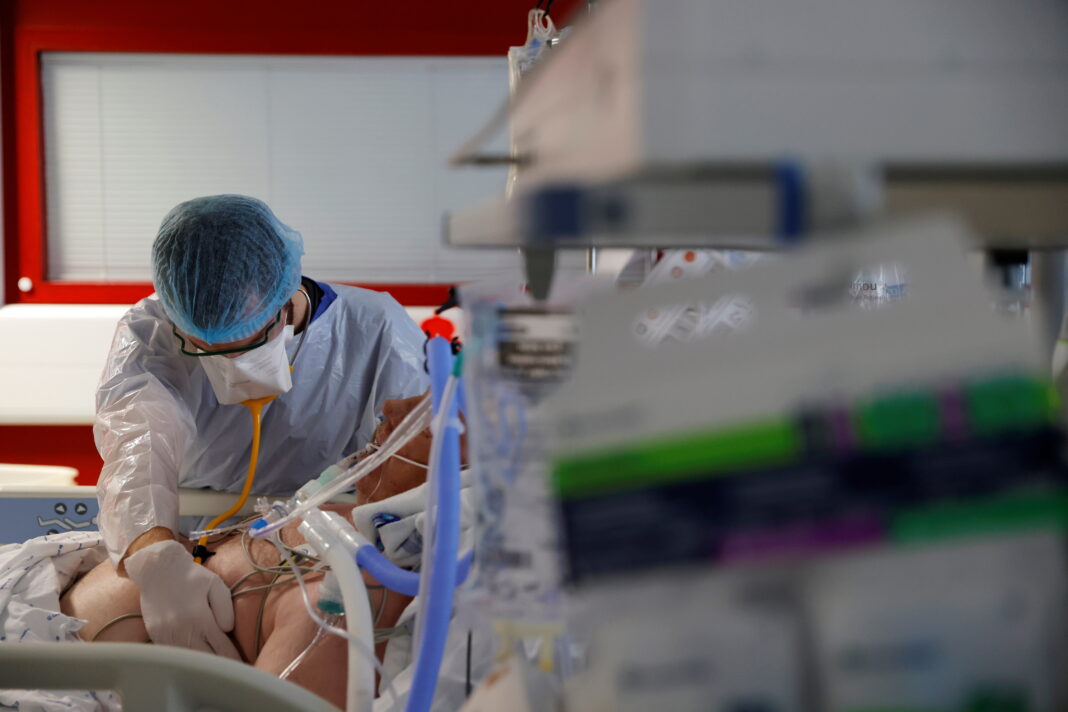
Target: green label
(678,459)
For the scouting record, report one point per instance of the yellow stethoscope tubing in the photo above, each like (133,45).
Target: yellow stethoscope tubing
(255,408)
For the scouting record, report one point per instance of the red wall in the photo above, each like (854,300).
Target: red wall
(336,27)
(70,445)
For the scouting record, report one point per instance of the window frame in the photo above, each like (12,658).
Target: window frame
(26,246)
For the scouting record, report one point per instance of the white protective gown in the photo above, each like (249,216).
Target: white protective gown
(159,425)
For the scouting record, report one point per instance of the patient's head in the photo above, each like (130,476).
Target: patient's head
(398,475)
(395,475)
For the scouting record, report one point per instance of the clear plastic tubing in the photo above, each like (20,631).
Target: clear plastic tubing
(438,580)
(412,425)
(329,534)
(320,635)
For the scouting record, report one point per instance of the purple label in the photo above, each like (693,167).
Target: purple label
(804,538)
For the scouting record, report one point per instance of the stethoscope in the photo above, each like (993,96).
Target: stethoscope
(255,408)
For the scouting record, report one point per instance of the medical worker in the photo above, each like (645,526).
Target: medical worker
(232,319)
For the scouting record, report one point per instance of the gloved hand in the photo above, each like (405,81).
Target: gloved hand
(182,602)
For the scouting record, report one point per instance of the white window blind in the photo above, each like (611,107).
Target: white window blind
(349,151)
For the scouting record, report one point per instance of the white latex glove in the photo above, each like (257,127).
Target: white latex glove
(182,602)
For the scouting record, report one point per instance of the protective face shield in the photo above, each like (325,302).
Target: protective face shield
(257,373)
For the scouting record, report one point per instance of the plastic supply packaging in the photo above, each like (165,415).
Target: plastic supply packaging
(697,320)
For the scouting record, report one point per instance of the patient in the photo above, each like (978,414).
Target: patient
(271,625)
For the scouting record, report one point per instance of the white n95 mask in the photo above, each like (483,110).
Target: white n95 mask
(258,373)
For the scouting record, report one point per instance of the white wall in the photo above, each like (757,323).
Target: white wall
(51,356)
(51,360)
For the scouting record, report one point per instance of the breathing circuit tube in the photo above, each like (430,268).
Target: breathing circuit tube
(360,694)
(401,580)
(437,583)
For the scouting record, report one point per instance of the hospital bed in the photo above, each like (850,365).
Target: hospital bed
(147,677)
(27,511)
(154,677)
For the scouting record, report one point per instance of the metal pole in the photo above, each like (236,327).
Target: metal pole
(1047,288)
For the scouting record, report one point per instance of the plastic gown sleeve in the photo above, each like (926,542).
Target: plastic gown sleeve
(142,428)
(399,367)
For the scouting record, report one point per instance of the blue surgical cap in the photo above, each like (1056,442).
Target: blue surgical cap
(223,266)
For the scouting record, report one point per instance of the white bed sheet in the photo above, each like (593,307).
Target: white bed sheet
(32,577)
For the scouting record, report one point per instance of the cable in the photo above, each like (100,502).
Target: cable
(281,567)
(409,427)
(283,575)
(266,586)
(374,446)
(340,632)
(381,606)
(284,675)
(467,684)
(113,621)
(220,533)
(259,616)
(278,572)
